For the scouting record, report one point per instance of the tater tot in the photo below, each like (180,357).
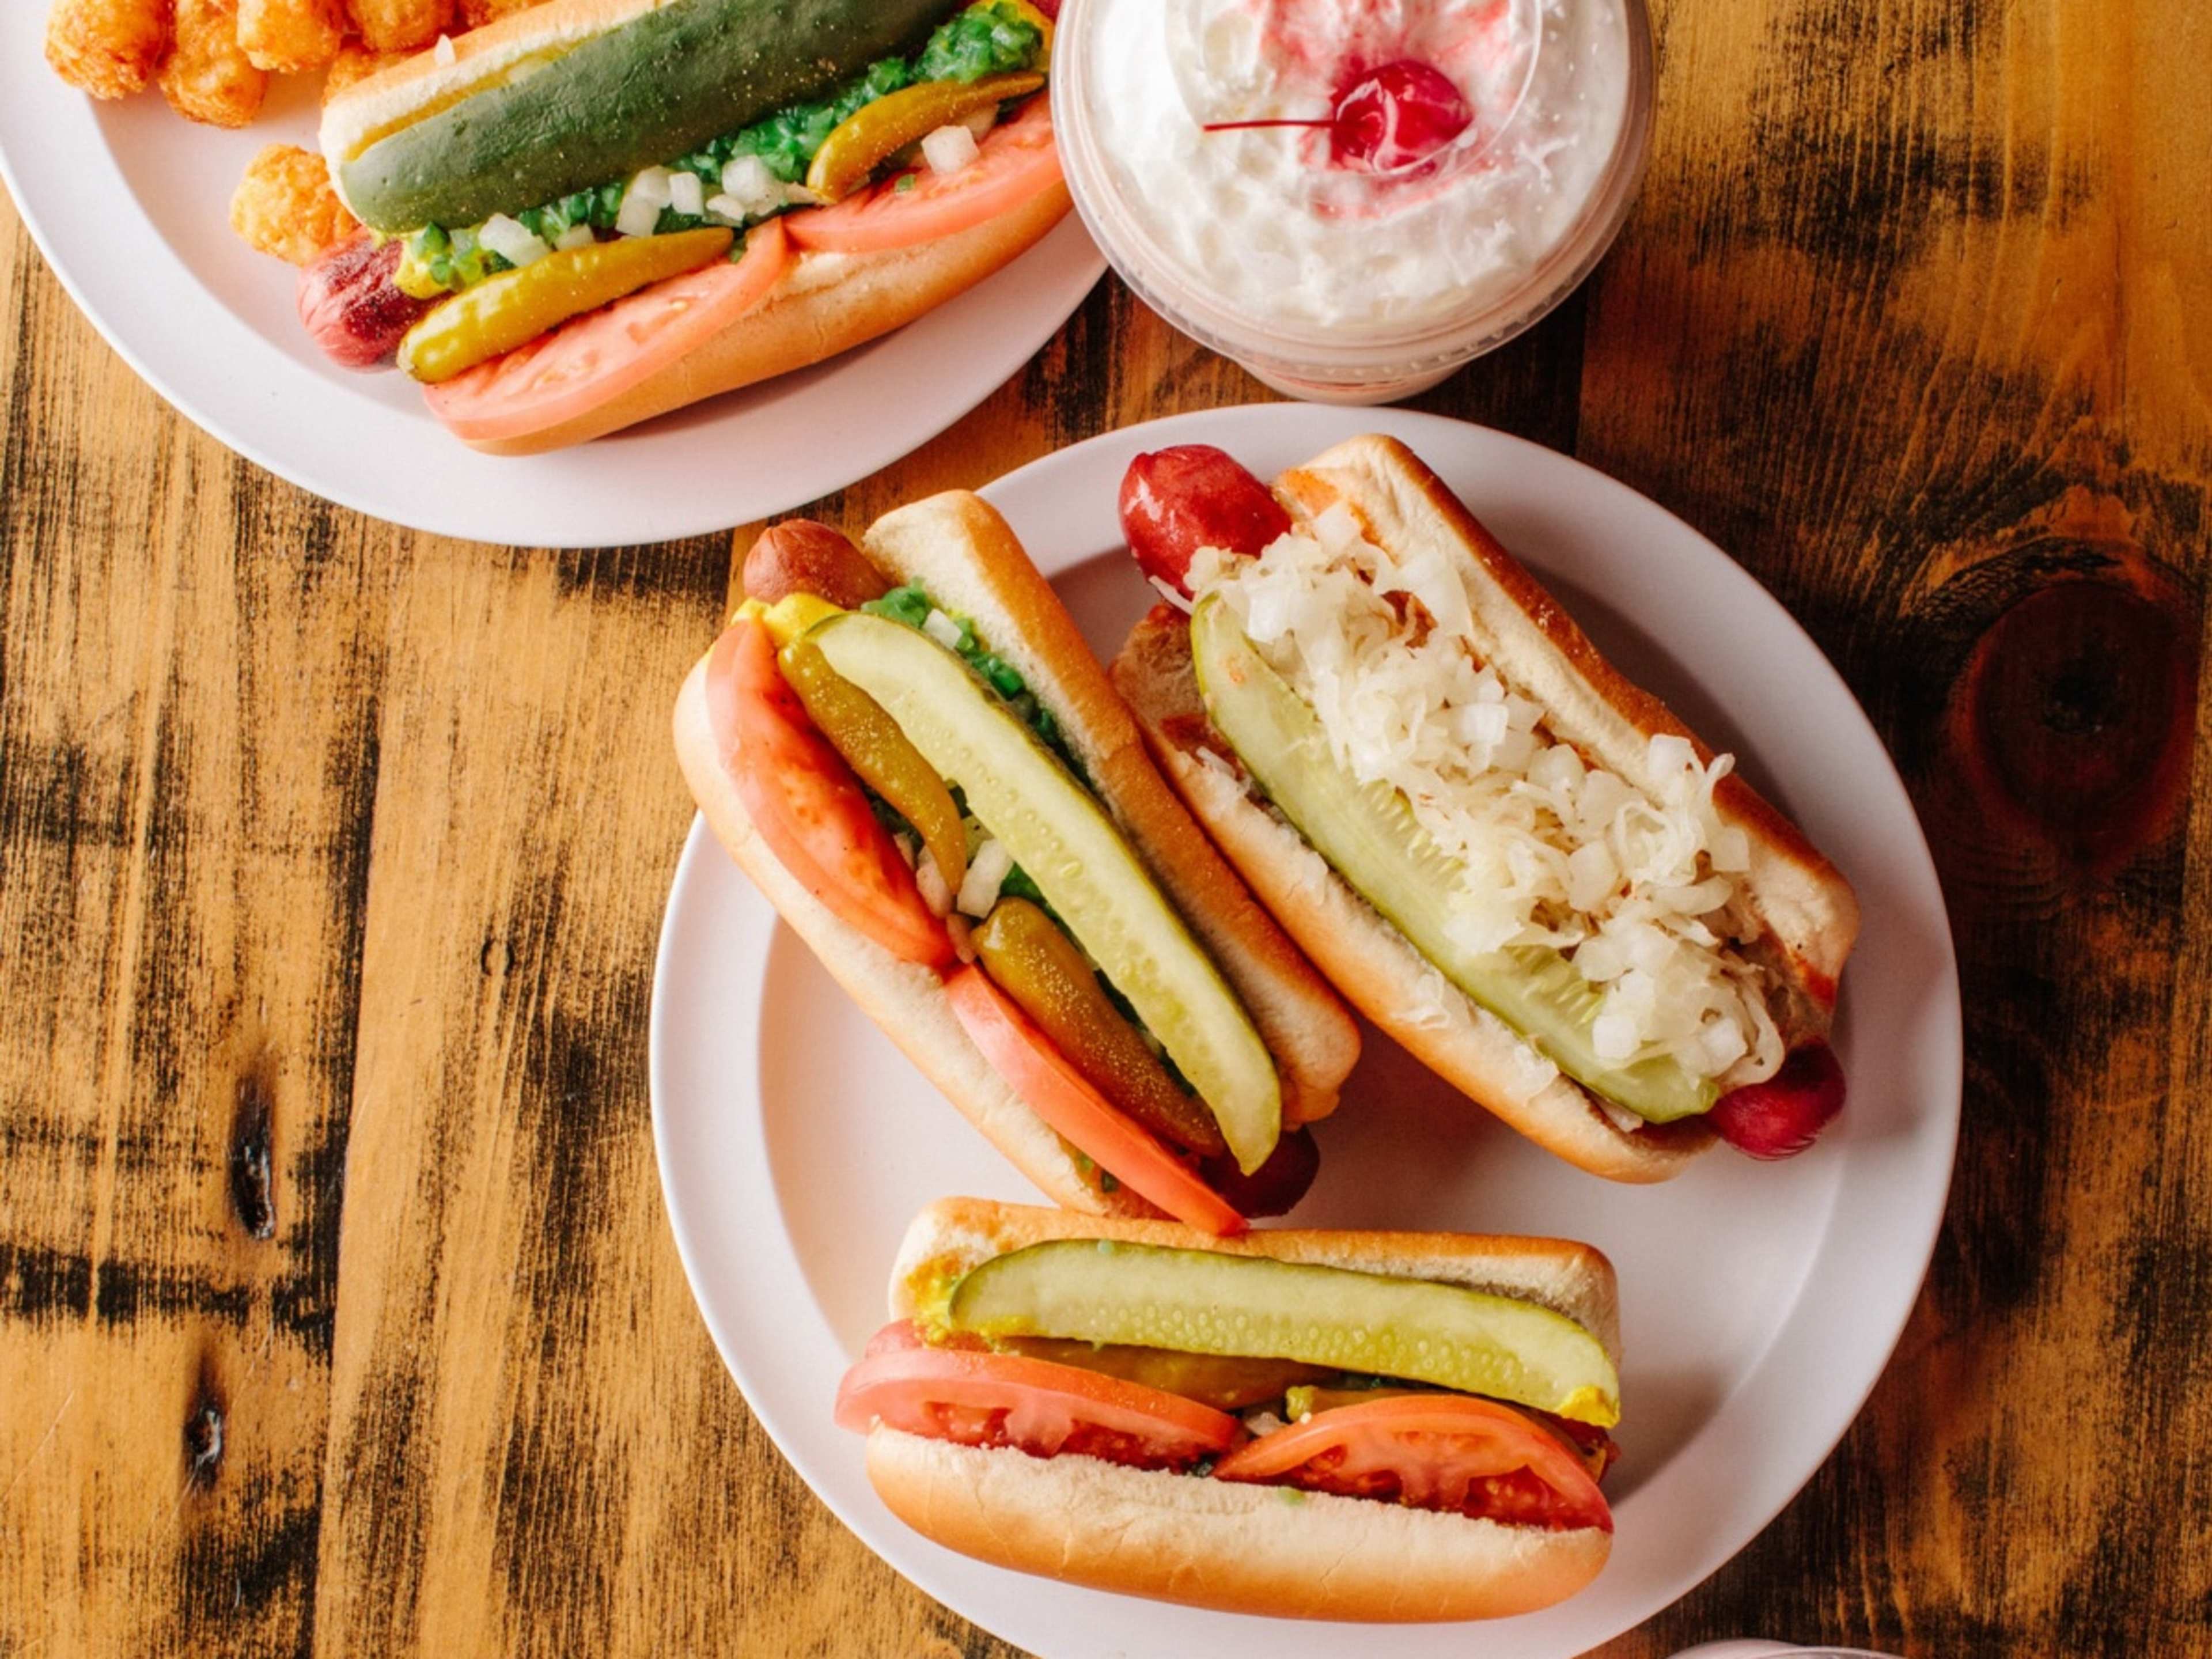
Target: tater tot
(475,13)
(356,62)
(291,37)
(285,206)
(400,25)
(109,48)
(207,77)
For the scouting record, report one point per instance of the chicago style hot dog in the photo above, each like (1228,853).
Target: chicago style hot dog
(1521,866)
(1359,1425)
(594,211)
(910,751)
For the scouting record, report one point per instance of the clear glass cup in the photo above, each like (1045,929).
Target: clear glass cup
(1342,363)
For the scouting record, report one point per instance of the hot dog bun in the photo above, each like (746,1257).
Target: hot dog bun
(1217,1544)
(825,304)
(1806,908)
(959,547)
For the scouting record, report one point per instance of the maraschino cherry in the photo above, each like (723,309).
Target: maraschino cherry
(1387,118)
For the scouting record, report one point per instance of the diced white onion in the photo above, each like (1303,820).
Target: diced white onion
(1627,1123)
(1263,1423)
(512,241)
(574,237)
(445,52)
(641,203)
(909,849)
(949,149)
(962,945)
(936,892)
(749,181)
(728,209)
(987,871)
(942,628)
(687,195)
(979,122)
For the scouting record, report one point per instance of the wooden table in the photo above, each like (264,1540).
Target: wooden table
(338,1313)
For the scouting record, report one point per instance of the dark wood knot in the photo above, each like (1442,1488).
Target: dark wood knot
(2074,717)
(252,1180)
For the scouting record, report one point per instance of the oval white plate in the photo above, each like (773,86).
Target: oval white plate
(1759,1301)
(131,205)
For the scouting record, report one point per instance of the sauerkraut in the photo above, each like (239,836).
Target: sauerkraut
(1641,890)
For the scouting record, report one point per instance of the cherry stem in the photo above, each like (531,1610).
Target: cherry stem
(1239,126)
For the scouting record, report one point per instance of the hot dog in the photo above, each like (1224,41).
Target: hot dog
(908,748)
(1529,873)
(1356,1426)
(614,207)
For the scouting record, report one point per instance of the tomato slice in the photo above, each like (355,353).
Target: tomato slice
(1016,161)
(807,806)
(595,359)
(1035,1406)
(1065,1099)
(1447,1452)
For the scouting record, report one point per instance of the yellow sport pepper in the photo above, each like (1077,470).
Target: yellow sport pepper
(875,132)
(516,306)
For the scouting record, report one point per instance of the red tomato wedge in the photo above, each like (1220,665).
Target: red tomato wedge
(806,804)
(1446,1452)
(1017,158)
(595,359)
(1035,1406)
(1065,1099)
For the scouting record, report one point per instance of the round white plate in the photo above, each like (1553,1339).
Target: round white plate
(1759,1301)
(131,205)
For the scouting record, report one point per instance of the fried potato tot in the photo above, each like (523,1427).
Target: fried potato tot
(400,25)
(475,13)
(285,206)
(109,48)
(291,37)
(208,77)
(356,62)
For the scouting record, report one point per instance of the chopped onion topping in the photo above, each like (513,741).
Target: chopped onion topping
(1263,1423)
(574,237)
(512,241)
(936,892)
(942,628)
(1639,887)
(445,52)
(949,149)
(987,871)
(641,203)
(687,195)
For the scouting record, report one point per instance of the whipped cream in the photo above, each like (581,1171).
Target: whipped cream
(1266,220)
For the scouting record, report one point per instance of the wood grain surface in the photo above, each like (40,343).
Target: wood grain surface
(338,1313)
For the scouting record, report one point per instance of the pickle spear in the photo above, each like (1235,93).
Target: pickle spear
(1061,836)
(1369,836)
(1038,965)
(878,750)
(1255,1307)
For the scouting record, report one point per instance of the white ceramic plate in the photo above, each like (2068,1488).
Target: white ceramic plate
(1759,1301)
(131,205)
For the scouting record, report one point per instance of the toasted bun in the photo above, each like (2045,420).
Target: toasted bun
(907,1000)
(826,303)
(417,85)
(1219,1544)
(1807,908)
(958,547)
(955,1234)
(1215,1544)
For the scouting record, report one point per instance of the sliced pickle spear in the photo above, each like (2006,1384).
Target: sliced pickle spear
(1226,1381)
(1369,836)
(875,748)
(1255,1307)
(1038,966)
(1061,836)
